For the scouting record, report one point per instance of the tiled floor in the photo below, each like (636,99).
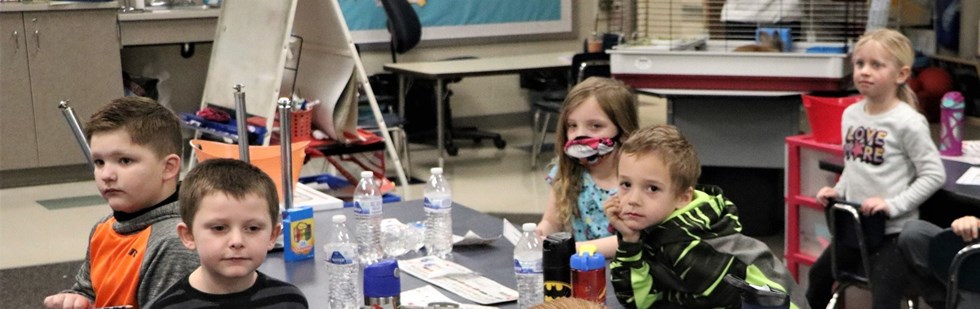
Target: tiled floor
(484,178)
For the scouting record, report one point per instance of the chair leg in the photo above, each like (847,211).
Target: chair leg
(408,154)
(544,133)
(833,301)
(534,138)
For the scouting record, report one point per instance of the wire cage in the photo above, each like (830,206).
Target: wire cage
(685,23)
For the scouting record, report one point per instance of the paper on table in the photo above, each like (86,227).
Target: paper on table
(971,153)
(458,279)
(970,177)
(472,238)
(423,296)
(511,233)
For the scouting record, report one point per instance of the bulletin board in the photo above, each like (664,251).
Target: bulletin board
(456,19)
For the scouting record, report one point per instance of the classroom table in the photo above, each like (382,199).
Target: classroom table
(494,261)
(952,200)
(440,71)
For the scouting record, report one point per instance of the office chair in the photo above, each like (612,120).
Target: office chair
(584,65)
(852,230)
(406,31)
(956,261)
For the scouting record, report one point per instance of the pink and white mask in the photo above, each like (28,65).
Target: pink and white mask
(589,150)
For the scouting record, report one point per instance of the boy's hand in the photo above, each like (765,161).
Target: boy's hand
(612,210)
(67,301)
(966,227)
(825,194)
(873,205)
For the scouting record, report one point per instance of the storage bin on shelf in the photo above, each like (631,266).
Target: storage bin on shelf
(824,115)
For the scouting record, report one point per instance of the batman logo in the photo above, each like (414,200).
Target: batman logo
(556,289)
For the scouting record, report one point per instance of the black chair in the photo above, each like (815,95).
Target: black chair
(406,31)
(956,261)
(584,65)
(852,230)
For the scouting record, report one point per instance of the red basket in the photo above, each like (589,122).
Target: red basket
(824,115)
(301,125)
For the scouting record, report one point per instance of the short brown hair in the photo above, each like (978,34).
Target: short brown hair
(232,177)
(676,152)
(568,303)
(147,122)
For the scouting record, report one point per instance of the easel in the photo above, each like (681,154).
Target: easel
(251,45)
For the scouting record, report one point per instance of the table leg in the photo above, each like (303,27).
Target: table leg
(440,123)
(401,96)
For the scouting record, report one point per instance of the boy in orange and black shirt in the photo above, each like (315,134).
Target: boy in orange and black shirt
(134,254)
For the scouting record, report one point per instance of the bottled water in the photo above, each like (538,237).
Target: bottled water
(438,204)
(367,215)
(528,268)
(342,268)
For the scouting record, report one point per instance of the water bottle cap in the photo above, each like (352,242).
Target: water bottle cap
(529,227)
(436,171)
(587,259)
(367,174)
(339,218)
(381,279)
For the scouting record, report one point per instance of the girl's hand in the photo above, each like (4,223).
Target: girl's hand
(825,194)
(873,205)
(966,227)
(612,210)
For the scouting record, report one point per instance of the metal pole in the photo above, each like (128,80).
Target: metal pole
(285,147)
(76,129)
(240,114)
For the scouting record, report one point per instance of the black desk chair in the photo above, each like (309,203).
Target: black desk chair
(406,31)
(584,65)
(958,262)
(851,230)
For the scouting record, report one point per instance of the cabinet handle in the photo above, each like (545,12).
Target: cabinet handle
(16,40)
(37,38)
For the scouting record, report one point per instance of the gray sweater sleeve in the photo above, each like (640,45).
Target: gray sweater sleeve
(166,261)
(930,174)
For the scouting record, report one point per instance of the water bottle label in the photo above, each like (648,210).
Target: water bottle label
(436,203)
(528,266)
(338,258)
(367,206)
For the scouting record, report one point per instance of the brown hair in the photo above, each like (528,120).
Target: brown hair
(676,152)
(231,177)
(568,303)
(147,123)
(900,48)
(618,102)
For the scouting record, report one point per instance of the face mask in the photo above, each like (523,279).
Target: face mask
(589,150)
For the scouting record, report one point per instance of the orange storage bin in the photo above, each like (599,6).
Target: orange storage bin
(266,158)
(825,114)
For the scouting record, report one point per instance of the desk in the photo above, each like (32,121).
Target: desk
(440,71)
(953,200)
(495,261)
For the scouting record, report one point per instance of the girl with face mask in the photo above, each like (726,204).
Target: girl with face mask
(596,116)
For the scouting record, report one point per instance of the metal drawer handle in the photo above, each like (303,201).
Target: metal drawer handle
(16,41)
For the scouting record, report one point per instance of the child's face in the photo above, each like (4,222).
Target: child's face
(646,194)
(588,119)
(130,176)
(877,75)
(231,236)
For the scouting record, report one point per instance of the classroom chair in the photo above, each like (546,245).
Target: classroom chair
(853,231)
(958,262)
(406,32)
(584,65)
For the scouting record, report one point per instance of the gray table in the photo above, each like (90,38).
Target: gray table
(495,261)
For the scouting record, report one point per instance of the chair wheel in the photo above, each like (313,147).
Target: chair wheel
(452,150)
(499,143)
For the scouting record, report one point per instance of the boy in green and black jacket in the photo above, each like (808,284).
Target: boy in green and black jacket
(678,242)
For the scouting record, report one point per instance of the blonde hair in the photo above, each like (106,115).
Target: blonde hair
(618,102)
(676,152)
(900,48)
(147,122)
(231,177)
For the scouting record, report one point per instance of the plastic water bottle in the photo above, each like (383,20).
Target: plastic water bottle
(367,214)
(438,204)
(342,266)
(528,268)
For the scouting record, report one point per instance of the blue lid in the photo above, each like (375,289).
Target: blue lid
(381,279)
(587,259)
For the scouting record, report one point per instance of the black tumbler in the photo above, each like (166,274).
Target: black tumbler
(558,248)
